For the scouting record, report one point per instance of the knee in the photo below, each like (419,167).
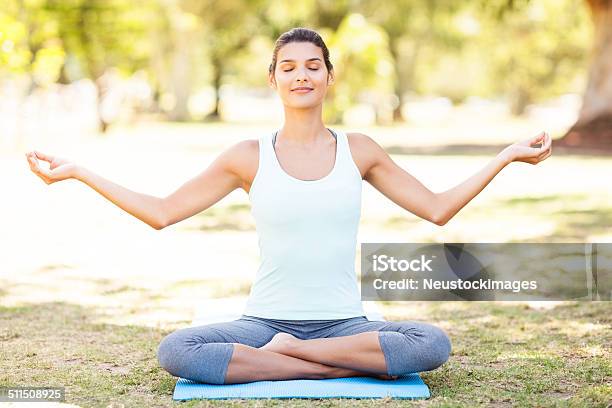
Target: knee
(192,356)
(438,347)
(168,353)
(415,348)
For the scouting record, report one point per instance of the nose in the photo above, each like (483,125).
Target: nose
(302,74)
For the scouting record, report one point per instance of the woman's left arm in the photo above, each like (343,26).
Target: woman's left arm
(453,200)
(403,189)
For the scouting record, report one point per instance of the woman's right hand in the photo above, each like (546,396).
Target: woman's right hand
(59,169)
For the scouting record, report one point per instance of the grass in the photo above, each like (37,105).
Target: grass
(503,354)
(83,309)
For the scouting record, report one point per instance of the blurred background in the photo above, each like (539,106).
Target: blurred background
(148,92)
(84,66)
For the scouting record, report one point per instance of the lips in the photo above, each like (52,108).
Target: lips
(302,89)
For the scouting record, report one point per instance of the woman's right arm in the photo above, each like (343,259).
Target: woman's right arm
(145,207)
(221,177)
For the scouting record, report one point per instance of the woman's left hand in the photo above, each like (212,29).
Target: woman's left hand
(522,151)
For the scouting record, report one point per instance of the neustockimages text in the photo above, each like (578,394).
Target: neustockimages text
(384,263)
(458,284)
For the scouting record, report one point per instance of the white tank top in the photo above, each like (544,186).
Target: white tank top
(307,239)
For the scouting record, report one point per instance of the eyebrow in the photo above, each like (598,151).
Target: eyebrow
(308,60)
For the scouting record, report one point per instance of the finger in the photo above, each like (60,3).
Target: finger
(544,153)
(546,142)
(547,147)
(36,170)
(543,156)
(32,162)
(537,138)
(45,172)
(40,171)
(42,156)
(533,152)
(546,156)
(534,139)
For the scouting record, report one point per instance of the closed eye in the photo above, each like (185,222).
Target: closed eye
(312,69)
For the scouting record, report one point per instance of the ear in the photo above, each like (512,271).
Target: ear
(330,78)
(271,81)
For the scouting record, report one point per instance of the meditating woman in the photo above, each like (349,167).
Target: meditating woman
(304,316)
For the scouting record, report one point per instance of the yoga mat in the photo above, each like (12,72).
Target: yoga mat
(405,387)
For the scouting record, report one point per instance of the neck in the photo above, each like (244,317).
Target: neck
(303,126)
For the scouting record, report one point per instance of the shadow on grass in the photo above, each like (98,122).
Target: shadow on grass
(215,288)
(576,216)
(542,200)
(580,224)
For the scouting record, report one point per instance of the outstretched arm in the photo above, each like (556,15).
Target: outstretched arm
(453,200)
(145,207)
(406,191)
(215,182)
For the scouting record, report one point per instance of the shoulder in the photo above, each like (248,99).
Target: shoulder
(366,152)
(361,141)
(241,155)
(245,148)
(242,160)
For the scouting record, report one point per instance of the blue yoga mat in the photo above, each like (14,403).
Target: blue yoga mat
(406,387)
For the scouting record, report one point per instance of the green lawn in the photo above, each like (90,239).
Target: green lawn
(503,354)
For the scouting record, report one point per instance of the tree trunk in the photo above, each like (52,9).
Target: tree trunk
(593,129)
(405,67)
(399,83)
(180,75)
(519,100)
(217,75)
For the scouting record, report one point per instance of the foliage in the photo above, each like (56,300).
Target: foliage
(523,50)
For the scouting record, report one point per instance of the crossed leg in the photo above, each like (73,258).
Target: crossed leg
(244,351)
(393,348)
(229,352)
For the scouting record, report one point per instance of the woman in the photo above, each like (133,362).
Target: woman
(304,317)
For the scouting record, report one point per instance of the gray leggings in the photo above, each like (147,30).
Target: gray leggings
(203,353)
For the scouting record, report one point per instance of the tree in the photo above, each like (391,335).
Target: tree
(229,25)
(545,52)
(363,67)
(594,125)
(104,37)
(409,25)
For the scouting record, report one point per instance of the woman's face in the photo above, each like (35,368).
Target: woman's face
(300,65)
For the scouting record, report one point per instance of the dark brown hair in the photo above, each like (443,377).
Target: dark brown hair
(300,34)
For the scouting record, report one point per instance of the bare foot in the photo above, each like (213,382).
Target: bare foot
(279,342)
(385,376)
(336,372)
